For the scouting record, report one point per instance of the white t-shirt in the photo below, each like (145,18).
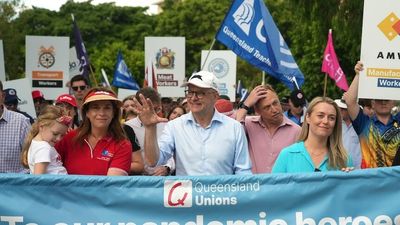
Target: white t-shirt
(42,151)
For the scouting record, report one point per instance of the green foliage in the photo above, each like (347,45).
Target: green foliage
(307,29)
(107,28)
(196,20)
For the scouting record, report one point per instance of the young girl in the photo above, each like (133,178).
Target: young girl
(38,153)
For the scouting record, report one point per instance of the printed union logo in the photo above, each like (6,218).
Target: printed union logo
(390,26)
(178,193)
(244,15)
(219,67)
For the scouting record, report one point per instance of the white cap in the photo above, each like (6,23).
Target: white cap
(341,103)
(203,79)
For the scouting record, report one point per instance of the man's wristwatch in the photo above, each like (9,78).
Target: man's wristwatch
(243,106)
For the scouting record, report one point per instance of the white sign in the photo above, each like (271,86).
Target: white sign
(24,93)
(223,64)
(380,50)
(168,56)
(47,64)
(123,93)
(2,70)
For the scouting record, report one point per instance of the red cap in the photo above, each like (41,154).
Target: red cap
(67,99)
(223,106)
(37,94)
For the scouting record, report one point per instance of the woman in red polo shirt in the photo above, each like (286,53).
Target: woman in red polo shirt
(98,146)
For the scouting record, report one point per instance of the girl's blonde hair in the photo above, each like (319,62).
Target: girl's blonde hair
(48,116)
(337,155)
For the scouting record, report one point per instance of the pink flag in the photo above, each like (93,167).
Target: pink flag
(330,65)
(150,77)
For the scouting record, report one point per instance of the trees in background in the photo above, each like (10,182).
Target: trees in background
(107,28)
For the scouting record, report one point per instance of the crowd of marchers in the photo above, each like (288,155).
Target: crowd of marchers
(89,131)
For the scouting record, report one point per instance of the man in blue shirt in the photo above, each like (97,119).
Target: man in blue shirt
(204,141)
(11,101)
(14,128)
(297,103)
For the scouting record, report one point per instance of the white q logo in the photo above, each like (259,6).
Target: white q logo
(259,28)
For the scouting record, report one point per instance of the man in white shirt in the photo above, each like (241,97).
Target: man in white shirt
(203,141)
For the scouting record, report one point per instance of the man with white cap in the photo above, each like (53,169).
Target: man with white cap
(349,135)
(203,141)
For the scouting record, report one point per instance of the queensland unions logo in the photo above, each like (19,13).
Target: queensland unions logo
(219,67)
(390,26)
(185,193)
(178,193)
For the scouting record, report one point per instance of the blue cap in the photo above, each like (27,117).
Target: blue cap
(10,95)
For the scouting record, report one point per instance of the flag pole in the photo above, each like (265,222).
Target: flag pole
(93,75)
(263,78)
(105,78)
(208,54)
(325,84)
(296,85)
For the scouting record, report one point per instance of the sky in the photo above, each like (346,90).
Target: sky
(56,4)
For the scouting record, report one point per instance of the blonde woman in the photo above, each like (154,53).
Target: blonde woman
(320,146)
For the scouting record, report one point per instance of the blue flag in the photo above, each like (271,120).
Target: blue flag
(249,30)
(122,76)
(81,53)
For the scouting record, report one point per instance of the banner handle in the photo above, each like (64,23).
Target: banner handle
(325,84)
(208,54)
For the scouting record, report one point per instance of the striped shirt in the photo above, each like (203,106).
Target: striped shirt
(14,127)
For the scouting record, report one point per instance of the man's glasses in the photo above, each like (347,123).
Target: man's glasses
(76,88)
(199,94)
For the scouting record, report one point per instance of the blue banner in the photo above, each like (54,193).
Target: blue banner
(122,76)
(363,197)
(249,30)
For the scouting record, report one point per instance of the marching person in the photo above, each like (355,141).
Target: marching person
(99,145)
(203,141)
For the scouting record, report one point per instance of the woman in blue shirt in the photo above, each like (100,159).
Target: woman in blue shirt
(320,146)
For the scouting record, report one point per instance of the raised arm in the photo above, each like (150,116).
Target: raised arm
(256,94)
(350,97)
(149,119)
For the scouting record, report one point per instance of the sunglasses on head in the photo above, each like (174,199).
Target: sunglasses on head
(76,88)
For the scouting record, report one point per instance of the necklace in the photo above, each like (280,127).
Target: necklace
(315,151)
(93,140)
(317,154)
(94,137)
